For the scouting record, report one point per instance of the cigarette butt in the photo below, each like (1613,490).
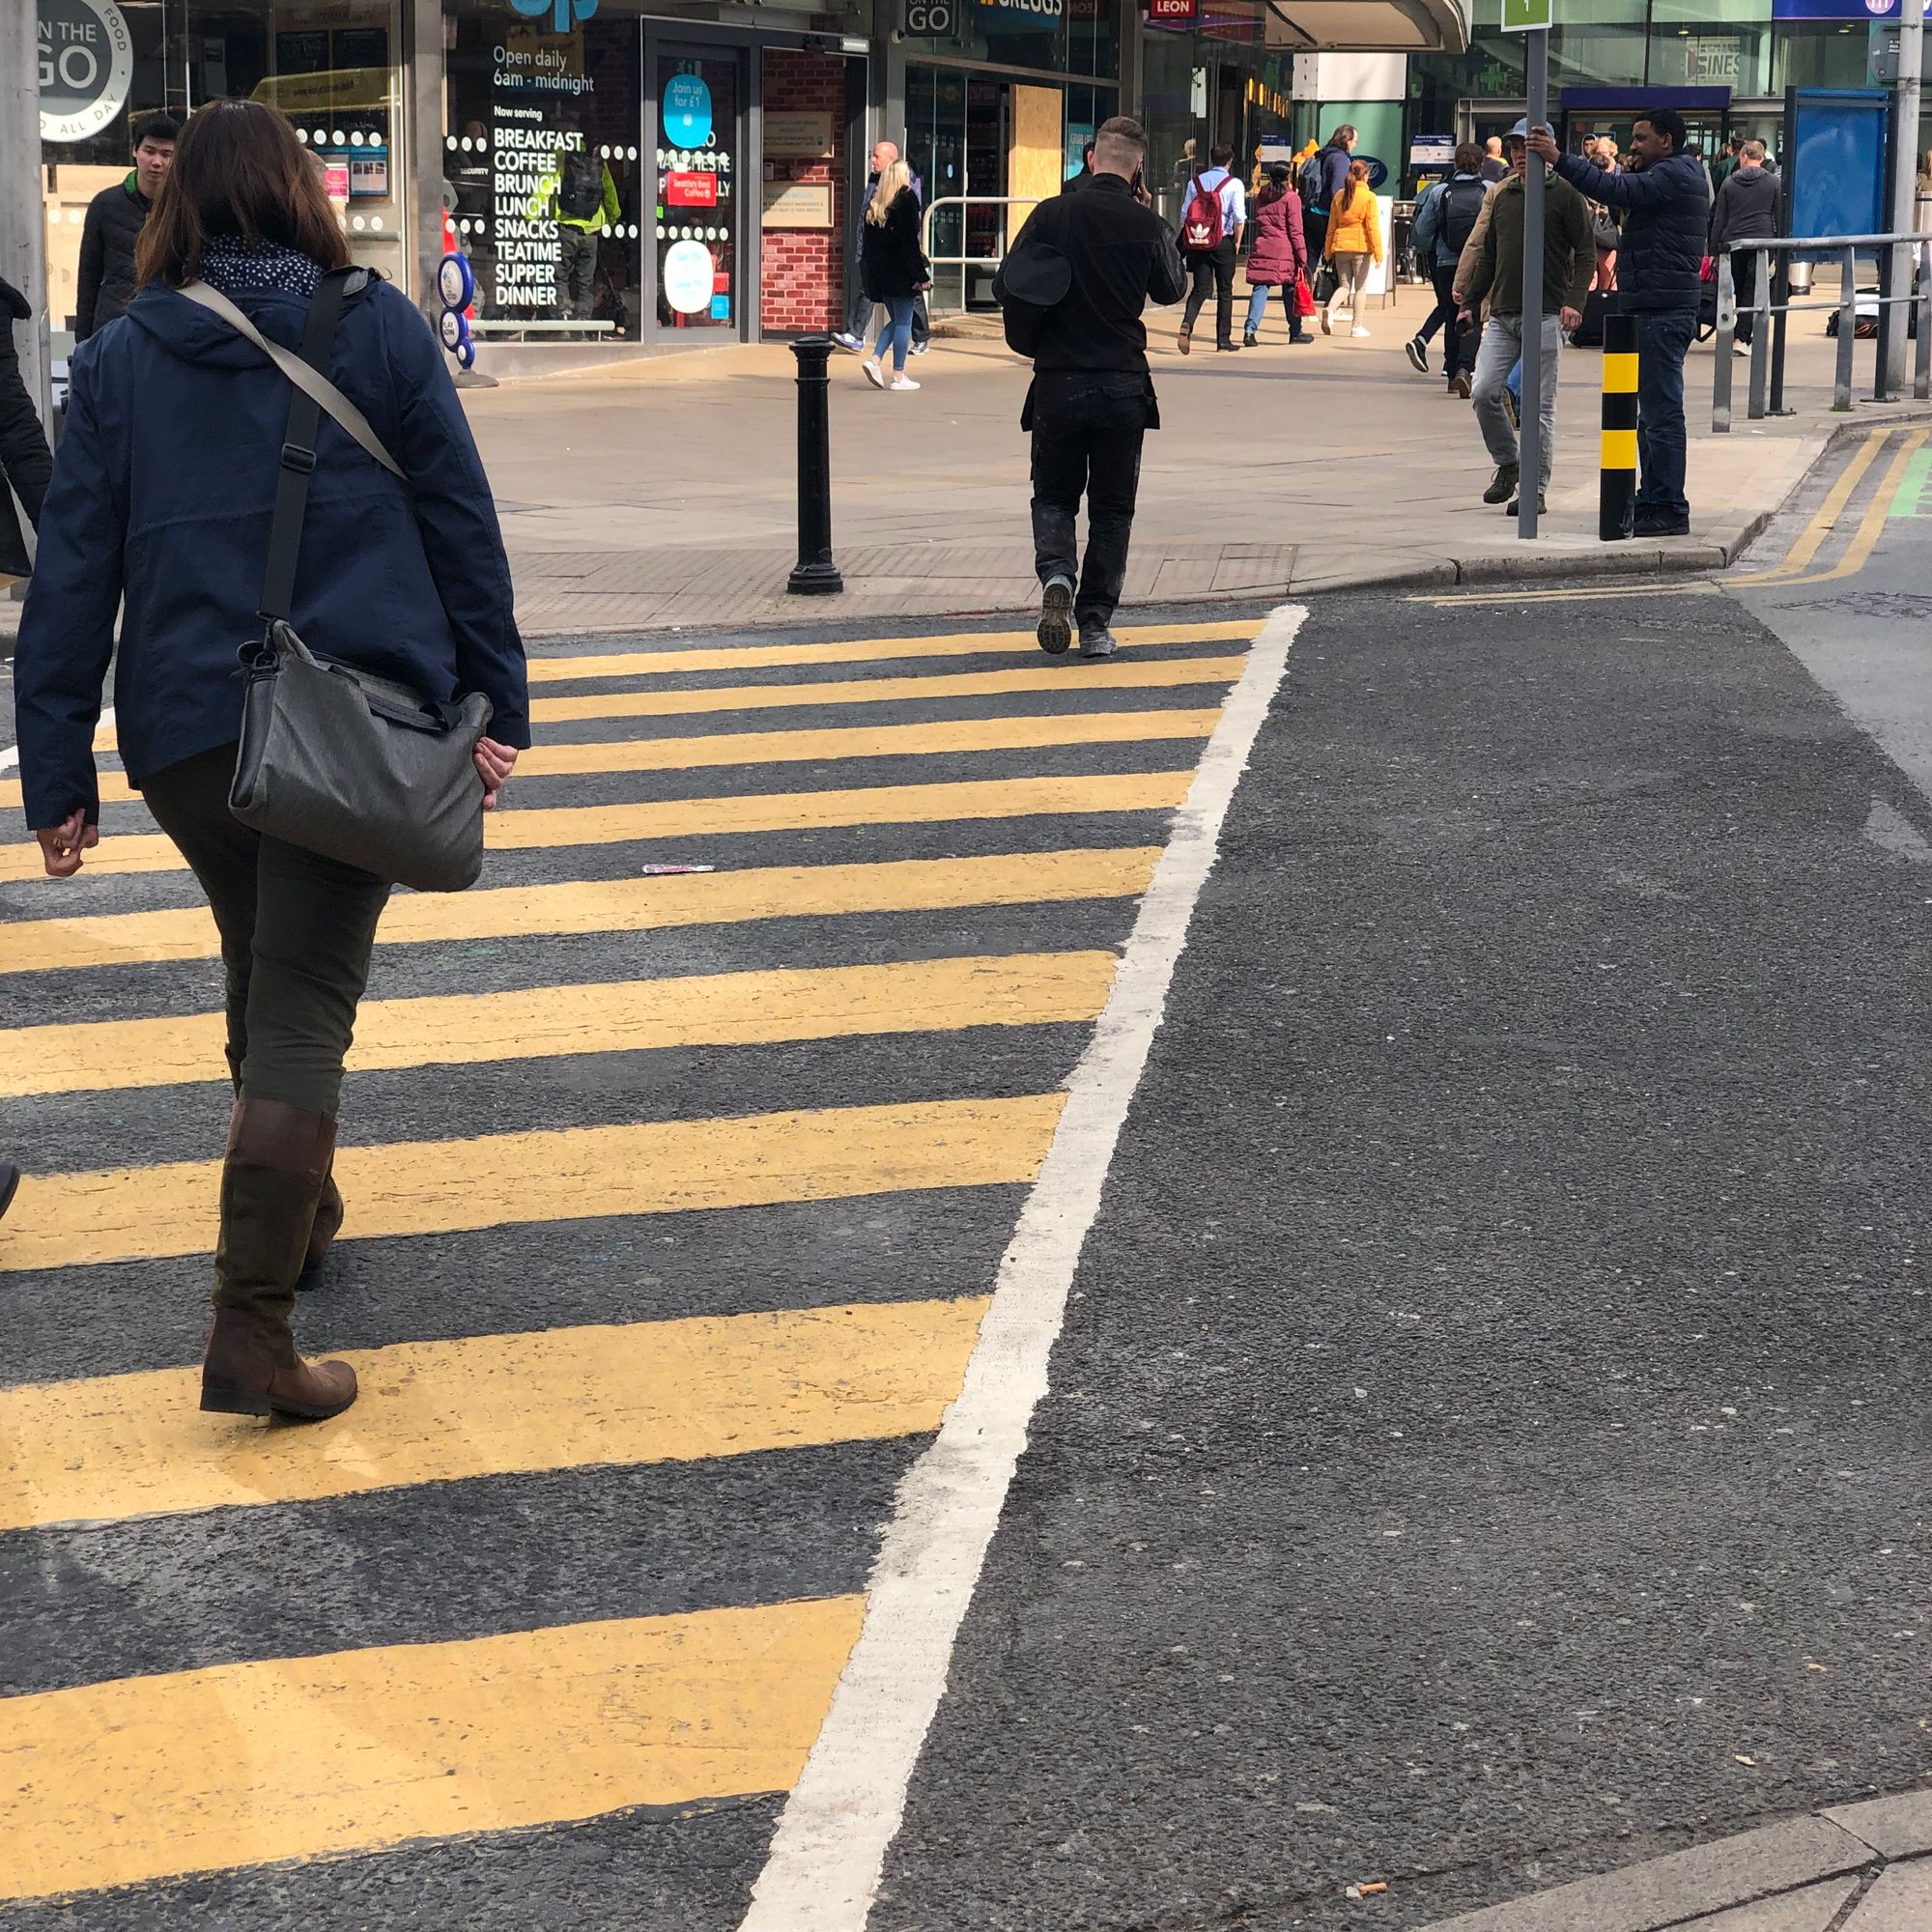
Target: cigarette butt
(1370,1886)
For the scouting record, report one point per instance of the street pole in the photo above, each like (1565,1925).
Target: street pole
(23,245)
(1904,185)
(1536,76)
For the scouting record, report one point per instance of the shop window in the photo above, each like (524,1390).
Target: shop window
(332,66)
(540,151)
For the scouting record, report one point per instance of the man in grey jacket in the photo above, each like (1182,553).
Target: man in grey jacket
(1746,208)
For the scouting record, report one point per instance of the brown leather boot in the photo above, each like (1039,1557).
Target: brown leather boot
(278,1158)
(328,1211)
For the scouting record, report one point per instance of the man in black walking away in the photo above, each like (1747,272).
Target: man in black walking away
(115,217)
(1666,215)
(1091,398)
(1747,210)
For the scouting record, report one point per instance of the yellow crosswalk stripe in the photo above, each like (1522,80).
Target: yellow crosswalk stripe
(113,1447)
(623,1016)
(150,1777)
(571,1174)
(568,826)
(934,737)
(621,905)
(859,650)
(1133,676)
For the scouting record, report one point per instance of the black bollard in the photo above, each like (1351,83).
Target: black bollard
(814,574)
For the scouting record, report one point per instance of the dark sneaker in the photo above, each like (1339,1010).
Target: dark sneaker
(851,344)
(1054,629)
(10,1184)
(1417,352)
(1503,484)
(1248,341)
(1460,387)
(1660,523)
(1097,641)
(1542,506)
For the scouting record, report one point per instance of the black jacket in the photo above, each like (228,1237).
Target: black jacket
(894,264)
(114,220)
(1123,256)
(1746,208)
(1666,214)
(25,461)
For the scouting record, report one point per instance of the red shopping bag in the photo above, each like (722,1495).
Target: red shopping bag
(1304,298)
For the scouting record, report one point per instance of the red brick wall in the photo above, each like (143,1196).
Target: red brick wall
(802,270)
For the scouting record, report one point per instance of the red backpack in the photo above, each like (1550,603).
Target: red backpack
(1201,228)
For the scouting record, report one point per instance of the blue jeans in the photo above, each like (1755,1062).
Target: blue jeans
(1257,302)
(897,328)
(1664,338)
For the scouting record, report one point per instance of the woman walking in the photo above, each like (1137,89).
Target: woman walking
(162,496)
(1277,255)
(1354,244)
(895,271)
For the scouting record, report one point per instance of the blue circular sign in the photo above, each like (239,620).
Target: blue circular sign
(687,111)
(1377,171)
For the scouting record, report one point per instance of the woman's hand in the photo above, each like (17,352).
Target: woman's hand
(62,844)
(493,762)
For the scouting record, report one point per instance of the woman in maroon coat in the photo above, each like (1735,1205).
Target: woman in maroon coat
(1278,254)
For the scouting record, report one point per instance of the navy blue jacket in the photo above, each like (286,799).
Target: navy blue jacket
(161,493)
(1668,218)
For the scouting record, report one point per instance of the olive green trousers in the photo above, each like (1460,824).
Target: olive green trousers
(296,932)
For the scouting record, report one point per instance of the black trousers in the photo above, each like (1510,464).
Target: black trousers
(1459,344)
(296,932)
(1215,270)
(1087,432)
(1744,278)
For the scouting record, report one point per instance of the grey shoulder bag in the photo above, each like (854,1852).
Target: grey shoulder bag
(359,768)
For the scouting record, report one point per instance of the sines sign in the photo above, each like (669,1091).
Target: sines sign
(87,60)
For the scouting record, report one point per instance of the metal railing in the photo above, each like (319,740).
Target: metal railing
(962,263)
(1767,347)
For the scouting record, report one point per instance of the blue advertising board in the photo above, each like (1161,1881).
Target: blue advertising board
(1835,10)
(1834,149)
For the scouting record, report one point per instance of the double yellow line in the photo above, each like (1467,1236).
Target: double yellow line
(1796,567)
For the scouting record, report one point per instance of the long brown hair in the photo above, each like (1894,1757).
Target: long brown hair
(1358,173)
(237,171)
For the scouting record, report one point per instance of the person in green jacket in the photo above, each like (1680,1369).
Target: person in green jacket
(1492,269)
(582,203)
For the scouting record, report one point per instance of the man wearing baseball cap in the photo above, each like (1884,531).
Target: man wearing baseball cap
(1492,266)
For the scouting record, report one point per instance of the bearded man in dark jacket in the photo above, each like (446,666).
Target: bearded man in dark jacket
(1666,212)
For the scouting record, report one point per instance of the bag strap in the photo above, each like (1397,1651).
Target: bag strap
(307,374)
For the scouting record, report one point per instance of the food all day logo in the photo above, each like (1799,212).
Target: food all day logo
(565,15)
(87,60)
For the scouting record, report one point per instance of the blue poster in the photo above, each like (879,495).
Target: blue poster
(1834,150)
(686,114)
(721,309)
(1835,10)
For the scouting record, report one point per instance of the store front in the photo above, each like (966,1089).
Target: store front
(335,66)
(1001,97)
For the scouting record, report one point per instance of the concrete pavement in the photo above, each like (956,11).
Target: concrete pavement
(663,493)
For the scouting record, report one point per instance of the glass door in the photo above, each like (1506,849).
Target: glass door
(698,253)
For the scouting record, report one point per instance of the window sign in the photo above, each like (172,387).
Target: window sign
(87,60)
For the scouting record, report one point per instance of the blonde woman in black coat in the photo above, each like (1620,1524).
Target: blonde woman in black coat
(895,271)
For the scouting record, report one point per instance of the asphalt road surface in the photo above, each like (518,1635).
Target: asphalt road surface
(1484,1443)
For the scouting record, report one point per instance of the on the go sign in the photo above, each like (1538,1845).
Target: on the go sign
(87,61)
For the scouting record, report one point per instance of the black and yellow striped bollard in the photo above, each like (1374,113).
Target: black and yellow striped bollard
(1616,498)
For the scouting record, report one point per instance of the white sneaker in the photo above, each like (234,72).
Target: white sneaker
(903,382)
(1358,329)
(874,375)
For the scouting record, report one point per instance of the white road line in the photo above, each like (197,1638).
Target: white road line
(822,1872)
